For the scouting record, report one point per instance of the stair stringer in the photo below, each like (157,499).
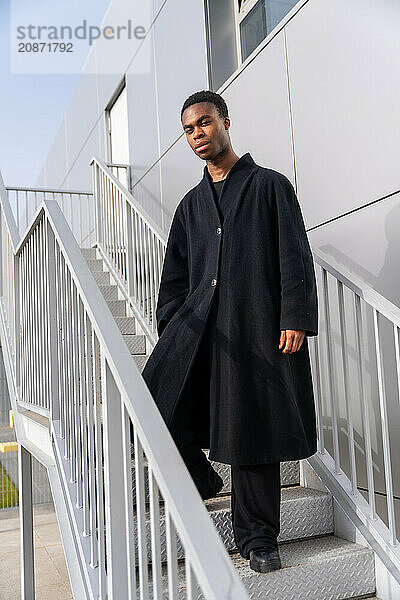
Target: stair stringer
(70,520)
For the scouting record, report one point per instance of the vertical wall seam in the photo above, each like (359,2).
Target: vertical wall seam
(158,125)
(66,151)
(207,44)
(290,111)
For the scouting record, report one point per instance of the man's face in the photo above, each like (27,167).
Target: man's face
(206,132)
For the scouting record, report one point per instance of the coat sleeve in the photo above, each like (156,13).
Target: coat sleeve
(174,283)
(299,300)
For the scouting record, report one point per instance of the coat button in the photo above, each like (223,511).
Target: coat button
(214,282)
(219,230)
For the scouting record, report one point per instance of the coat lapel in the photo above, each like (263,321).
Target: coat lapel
(237,174)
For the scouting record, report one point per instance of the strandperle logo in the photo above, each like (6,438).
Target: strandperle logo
(80,32)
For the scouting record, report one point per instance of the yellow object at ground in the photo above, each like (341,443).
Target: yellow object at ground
(8,447)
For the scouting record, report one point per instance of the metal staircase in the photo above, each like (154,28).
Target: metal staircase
(75,320)
(316,563)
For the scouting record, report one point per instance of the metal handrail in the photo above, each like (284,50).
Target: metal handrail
(359,287)
(18,188)
(76,205)
(90,426)
(131,243)
(131,199)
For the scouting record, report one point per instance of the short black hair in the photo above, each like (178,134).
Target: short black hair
(207,96)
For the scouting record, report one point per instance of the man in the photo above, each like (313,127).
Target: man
(237,298)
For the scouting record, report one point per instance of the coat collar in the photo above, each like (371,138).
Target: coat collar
(240,170)
(243,164)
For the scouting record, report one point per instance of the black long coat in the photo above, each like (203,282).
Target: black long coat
(241,281)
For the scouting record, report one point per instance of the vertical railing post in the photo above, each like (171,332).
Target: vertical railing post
(115,515)
(358,323)
(96,202)
(26,524)
(385,429)
(17,324)
(1,252)
(52,294)
(129,178)
(331,372)
(130,262)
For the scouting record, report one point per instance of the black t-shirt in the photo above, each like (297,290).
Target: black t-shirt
(218,187)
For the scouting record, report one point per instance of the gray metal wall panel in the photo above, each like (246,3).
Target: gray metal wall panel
(181,170)
(56,164)
(260,121)
(345,95)
(81,116)
(147,192)
(142,116)
(80,175)
(181,64)
(367,243)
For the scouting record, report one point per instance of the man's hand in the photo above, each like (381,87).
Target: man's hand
(294,339)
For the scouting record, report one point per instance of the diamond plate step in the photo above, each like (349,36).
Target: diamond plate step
(305,512)
(102,277)
(320,569)
(126,325)
(110,292)
(290,473)
(95,264)
(135,343)
(327,568)
(89,253)
(117,307)
(140,360)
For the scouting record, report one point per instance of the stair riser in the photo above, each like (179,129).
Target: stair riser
(117,308)
(289,476)
(110,292)
(126,325)
(141,361)
(89,253)
(102,277)
(95,265)
(135,343)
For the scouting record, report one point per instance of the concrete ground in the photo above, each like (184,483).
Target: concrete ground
(51,577)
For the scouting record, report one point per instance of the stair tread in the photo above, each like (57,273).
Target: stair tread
(288,494)
(308,550)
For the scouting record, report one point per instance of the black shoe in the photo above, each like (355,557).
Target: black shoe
(263,560)
(218,485)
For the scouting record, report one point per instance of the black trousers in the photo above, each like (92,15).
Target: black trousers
(255,489)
